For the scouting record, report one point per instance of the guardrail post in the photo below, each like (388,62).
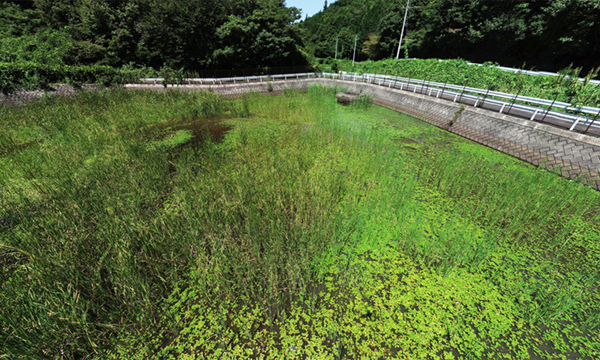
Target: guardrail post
(592,123)
(408,83)
(574,124)
(548,109)
(428,83)
(534,114)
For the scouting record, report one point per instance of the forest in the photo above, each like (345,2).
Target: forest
(541,34)
(190,34)
(198,35)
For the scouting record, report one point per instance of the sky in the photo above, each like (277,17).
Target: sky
(309,7)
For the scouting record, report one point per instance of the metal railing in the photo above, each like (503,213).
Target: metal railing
(535,108)
(235,80)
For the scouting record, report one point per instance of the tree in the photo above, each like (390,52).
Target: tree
(344,18)
(262,36)
(371,47)
(193,34)
(179,33)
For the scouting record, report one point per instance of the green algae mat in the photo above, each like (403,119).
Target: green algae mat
(182,226)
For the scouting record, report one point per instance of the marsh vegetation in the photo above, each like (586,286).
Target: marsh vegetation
(180,225)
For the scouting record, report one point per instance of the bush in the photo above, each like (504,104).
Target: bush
(31,76)
(334,67)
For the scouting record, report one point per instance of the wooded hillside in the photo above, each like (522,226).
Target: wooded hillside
(545,34)
(193,34)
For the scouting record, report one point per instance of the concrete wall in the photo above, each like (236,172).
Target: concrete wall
(18,98)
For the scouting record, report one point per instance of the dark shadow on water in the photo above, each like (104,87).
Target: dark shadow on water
(201,129)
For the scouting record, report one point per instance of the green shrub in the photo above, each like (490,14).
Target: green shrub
(31,76)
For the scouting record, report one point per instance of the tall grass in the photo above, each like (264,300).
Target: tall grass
(85,247)
(101,226)
(109,202)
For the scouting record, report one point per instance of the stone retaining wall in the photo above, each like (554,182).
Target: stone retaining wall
(20,97)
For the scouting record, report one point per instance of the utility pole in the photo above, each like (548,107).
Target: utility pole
(336,43)
(402,33)
(353,56)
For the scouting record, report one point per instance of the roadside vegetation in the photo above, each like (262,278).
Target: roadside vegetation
(180,225)
(33,76)
(566,87)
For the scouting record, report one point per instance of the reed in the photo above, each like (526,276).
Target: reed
(126,217)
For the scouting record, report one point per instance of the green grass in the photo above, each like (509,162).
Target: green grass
(309,230)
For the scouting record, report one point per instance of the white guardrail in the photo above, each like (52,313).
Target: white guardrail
(540,110)
(214,81)
(525,106)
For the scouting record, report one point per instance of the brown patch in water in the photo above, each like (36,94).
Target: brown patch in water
(201,129)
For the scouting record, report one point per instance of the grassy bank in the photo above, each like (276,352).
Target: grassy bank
(180,225)
(458,72)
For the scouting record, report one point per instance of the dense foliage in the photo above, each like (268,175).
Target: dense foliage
(193,34)
(548,35)
(32,76)
(566,87)
(342,20)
